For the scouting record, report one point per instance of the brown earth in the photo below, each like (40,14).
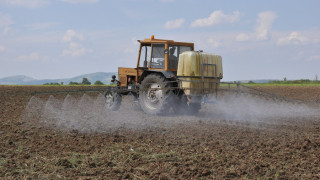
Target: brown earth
(204,146)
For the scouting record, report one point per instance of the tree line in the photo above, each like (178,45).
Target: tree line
(85,81)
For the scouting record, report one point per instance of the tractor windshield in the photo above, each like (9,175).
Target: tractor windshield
(174,52)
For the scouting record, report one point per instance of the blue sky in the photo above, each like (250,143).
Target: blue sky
(65,38)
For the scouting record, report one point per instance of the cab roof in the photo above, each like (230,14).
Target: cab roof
(152,40)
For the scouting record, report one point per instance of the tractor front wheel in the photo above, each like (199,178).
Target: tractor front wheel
(112,100)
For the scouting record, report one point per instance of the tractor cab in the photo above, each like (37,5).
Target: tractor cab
(161,55)
(155,55)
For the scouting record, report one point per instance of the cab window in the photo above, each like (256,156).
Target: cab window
(157,57)
(145,56)
(174,52)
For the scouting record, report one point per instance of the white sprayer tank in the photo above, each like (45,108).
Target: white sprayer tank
(199,72)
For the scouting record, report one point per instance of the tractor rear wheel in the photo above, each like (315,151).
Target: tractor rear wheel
(112,100)
(154,95)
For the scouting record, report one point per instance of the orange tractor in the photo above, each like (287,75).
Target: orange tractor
(168,75)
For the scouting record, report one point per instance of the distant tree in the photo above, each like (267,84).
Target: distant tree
(61,83)
(284,79)
(316,78)
(98,83)
(85,81)
(51,84)
(305,80)
(73,83)
(251,82)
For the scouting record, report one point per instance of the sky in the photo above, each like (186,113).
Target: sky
(267,39)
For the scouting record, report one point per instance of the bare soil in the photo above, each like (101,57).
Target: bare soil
(204,146)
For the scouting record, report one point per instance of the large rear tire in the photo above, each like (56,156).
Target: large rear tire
(112,100)
(154,95)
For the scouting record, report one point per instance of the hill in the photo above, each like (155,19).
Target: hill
(105,77)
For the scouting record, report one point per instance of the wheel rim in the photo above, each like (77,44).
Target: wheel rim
(153,96)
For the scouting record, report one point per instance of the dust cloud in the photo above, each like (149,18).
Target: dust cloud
(246,107)
(88,114)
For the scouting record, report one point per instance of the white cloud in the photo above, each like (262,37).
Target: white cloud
(6,30)
(31,57)
(2,48)
(301,53)
(173,24)
(79,1)
(132,48)
(314,57)
(167,1)
(217,17)
(5,20)
(75,50)
(242,37)
(214,43)
(5,23)
(27,3)
(70,35)
(264,23)
(294,38)
(135,41)
(34,57)
(38,38)
(41,26)
(32,4)
(129,50)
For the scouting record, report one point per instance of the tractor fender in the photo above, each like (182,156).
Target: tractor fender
(166,74)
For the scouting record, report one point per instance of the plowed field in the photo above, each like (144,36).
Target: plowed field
(242,136)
